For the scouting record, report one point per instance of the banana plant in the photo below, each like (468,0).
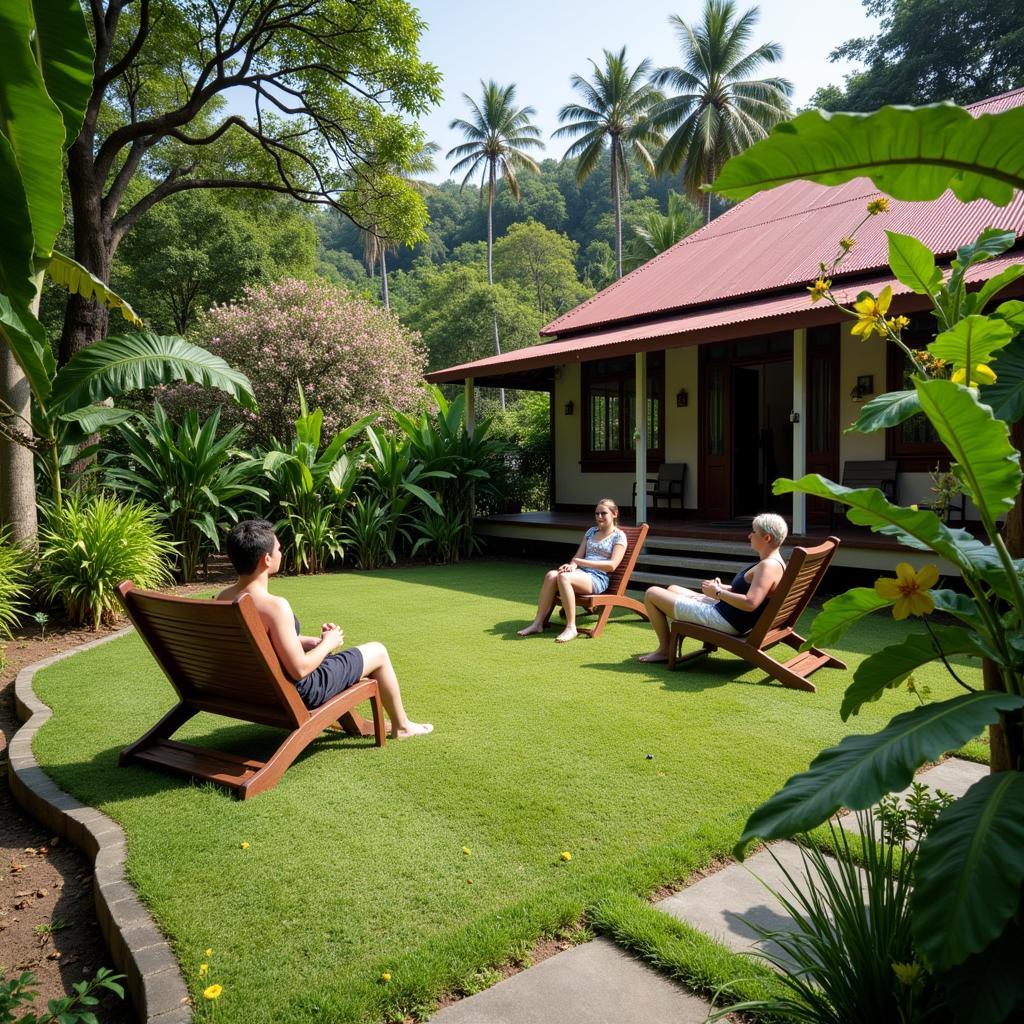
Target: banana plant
(309,486)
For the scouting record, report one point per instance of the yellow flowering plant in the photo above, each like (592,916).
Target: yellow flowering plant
(966,905)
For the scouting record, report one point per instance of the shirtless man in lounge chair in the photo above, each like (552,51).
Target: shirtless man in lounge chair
(319,674)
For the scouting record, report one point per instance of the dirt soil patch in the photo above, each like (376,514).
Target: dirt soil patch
(47,915)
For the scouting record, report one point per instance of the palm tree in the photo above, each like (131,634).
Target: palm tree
(719,110)
(616,111)
(376,244)
(660,231)
(495,139)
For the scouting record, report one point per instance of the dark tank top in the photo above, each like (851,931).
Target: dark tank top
(740,620)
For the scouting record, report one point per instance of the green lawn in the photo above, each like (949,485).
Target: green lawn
(355,863)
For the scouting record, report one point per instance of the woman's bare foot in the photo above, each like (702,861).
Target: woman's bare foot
(533,627)
(567,634)
(412,729)
(653,658)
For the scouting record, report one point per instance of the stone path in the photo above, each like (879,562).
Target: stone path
(597,983)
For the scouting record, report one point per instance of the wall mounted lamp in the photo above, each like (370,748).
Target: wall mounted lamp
(569,408)
(682,399)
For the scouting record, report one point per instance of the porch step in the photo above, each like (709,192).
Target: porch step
(642,580)
(709,566)
(739,549)
(685,561)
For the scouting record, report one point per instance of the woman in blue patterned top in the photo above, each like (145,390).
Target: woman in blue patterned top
(585,573)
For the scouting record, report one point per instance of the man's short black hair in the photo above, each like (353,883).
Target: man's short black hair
(248,542)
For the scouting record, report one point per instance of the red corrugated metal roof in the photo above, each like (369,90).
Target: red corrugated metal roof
(686,328)
(777,239)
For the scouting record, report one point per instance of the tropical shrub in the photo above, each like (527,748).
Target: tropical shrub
(15,562)
(966,906)
(90,544)
(308,487)
(79,1008)
(522,474)
(352,357)
(366,527)
(197,483)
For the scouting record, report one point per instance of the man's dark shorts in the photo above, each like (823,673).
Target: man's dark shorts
(337,672)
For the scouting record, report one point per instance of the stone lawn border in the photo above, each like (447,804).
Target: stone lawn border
(138,948)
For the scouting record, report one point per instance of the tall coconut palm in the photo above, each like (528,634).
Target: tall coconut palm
(719,110)
(376,244)
(615,111)
(495,137)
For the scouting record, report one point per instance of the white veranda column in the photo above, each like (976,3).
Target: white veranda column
(640,436)
(799,425)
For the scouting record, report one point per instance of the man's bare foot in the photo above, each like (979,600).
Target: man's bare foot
(566,635)
(412,729)
(529,630)
(653,658)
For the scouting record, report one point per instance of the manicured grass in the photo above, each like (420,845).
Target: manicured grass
(355,863)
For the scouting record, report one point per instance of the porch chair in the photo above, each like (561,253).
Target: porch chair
(615,595)
(670,484)
(880,473)
(219,659)
(776,624)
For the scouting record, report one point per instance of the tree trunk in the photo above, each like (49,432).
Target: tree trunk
(86,321)
(617,201)
(384,279)
(490,270)
(17,468)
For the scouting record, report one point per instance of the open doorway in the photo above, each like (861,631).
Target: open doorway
(762,435)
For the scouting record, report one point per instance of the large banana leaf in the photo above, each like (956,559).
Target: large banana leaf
(863,769)
(66,52)
(839,613)
(1006,395)
(32,124)
(128,362)
(969,871)
(913,263)
(986,462)
(73,276)
(885,411)
(916,528)
(913,154)
(993,286)
(83,423)
(975,339)
(27,340)
(15,230)
(888,667)
(987,987)
(963,607)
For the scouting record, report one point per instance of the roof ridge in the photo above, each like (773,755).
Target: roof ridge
(992,99)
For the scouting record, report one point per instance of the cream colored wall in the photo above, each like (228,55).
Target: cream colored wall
(681,433)
(858,358)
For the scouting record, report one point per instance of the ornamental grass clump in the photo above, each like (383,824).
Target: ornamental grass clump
(90,544)
(15,563)
(352,357)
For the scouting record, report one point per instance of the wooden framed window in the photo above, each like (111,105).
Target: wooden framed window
(914,442)
(609,413)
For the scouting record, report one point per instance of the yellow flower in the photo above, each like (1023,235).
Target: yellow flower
(879,205)
(245,845)
(204,969)
(566,855)
(385,977)
(846,244)
(820,288)
(981,374)
(466,850)
(871,313)
(907,974)
(897,323)
(208,952)
(212,992)
(909,590)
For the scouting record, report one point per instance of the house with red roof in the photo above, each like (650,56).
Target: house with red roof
(739,374)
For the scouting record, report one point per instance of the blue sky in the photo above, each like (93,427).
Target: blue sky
(538,44)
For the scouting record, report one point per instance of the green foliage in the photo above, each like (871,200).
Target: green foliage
(542,263)
(79,1008)
(15,563)
(658,232)
(967,897)
(90,544)
(366,528)
(523,475)
(197,484)
(973,50)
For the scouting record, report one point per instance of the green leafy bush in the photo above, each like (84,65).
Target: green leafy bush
(197,484)
(79,1008)
(90,544)
(15,563)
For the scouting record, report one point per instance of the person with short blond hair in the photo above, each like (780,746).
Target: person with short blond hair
(729,608)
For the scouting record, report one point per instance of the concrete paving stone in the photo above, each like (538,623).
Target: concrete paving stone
(719,903)
(597,983)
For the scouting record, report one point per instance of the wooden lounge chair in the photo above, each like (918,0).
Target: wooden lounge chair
(777,624)
(218,658)
(615,595)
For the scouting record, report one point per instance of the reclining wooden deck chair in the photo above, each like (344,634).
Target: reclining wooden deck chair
(777,624)
(615,595)
(219,659)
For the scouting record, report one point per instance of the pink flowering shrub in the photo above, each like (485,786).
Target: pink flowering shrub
(351,357)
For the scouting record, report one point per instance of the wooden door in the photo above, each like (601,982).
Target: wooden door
(822,406)
(715,498)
